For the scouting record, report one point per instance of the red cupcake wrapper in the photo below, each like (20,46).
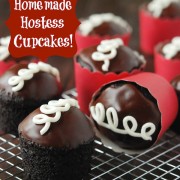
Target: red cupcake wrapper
(4,66)
(154,30)
(87,41)
(88,82)
(169,69)
(163,92)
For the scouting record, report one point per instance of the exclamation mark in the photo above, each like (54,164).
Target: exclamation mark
(71,39)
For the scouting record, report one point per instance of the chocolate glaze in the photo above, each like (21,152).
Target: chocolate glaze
(172,12)
(125,60)
(177,57)
(72,130)
(176,84)
(129,99)
(109,28)
(43,86)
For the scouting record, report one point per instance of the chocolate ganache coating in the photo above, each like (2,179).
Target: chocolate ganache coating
(126,60)
(43,86)
(73,129)
(128,99)
(173,11)
(176,85)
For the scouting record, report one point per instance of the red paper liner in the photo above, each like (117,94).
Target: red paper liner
(87,41)
(169,69)
(88,82)
(154,30)
(163,92)
(4,66)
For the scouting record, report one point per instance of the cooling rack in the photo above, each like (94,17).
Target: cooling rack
(162,161)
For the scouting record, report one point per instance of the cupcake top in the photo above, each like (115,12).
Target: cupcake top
(104,24)
(127,114)
(165,8)
(36,81)
(171,50)
(110,56)
(57,124)
(176,84)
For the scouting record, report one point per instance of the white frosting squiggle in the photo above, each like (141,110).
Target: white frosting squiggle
(171,49)
(96,20)
(157,6)
(107,46)
(98,113)
(53,107)
(26,74)
(4,43)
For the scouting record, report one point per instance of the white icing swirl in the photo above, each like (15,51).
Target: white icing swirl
(53,107)
(98,113)
(107,46)
(17,82)
(4,43)
(171,49)
(96,20)
(156,7)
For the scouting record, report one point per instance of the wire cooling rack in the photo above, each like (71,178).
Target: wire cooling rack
(160,162)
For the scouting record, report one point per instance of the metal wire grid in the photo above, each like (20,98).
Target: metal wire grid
(160,162)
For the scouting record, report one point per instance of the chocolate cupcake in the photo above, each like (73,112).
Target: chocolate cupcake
(56,142)
(176,84)
(6,60)
(127,114)
(154,18)
(98,27)
(100,64)
(167,58)
(23,88)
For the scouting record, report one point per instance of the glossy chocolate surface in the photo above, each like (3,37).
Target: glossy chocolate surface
(172,12)
(129,100)
(72,130)
(176,84)
(125,60)
(43,86)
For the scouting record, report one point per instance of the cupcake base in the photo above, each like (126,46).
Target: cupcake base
(13,110)
(41,162)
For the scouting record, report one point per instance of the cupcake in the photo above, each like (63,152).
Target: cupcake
(98,27)
(97,65)
(159,21)
(176,84)
(167,58)
(132,113)
(23,88)
(6,60)
(56,142)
